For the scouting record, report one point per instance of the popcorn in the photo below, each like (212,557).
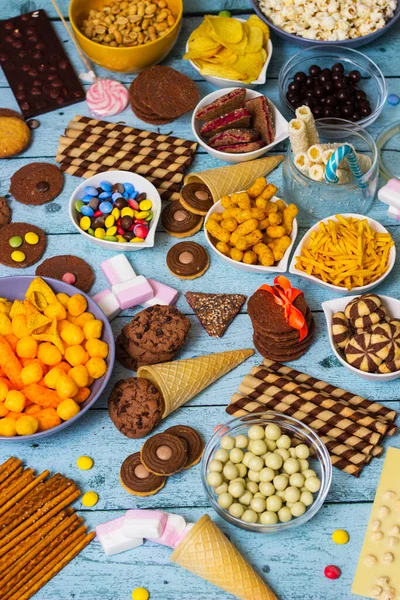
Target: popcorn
(329,20)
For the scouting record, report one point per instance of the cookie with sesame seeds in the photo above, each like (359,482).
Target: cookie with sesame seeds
(215,311)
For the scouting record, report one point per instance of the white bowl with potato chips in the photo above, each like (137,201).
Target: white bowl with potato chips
(214,57)
(348,260)
(278,267)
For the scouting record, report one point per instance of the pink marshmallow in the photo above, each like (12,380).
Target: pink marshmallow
(113,540)
(144,523)
(180,539)
(117,269)
(163,294)
(133,292)
(174,528)
(108,303)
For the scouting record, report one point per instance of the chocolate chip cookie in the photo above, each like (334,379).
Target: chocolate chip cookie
(37,183)
(158,329)
(131,356)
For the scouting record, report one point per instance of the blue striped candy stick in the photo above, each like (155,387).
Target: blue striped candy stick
(347,152)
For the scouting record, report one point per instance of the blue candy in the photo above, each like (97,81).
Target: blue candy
(104,195)
(106,186)
(129,189)
(87,211)
(134,195)
(125,195)
(115,196)
(106,207)
(393,99)
(86,199)
(91,190)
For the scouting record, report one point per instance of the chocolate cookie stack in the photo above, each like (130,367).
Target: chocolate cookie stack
(153,336)
(273,337)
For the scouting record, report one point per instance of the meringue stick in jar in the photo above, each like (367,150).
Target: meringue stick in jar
(304,114)
(298,136)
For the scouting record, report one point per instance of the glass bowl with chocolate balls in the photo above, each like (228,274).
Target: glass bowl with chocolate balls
(334,82)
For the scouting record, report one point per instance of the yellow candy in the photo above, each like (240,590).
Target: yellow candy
(89,499)
(67,409)
(145,205)
(110,220)
(92,329)
(140,594)
(31,238)
(26,347)
(137,239)
(111,230)
(32,373)
(142,215)
(15,401)
(49,354)
(127,211)
(340,536)
(80,375)
(77,305)
(52,377)
(96,367)
(7,427)
(84,463)
(18,256)
(76,355)
(97,348)
(85,223)
(72,334)
(3,390)
(26,425)
(121,238)
(116,213)
(63,299)
(99,233)
(83,318)
(55,311)
(66,387)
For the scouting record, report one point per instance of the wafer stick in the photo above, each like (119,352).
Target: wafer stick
(112,161)
(11,465)
(346,466)
(25,545)
(318,398)
(335,420)
(240,401)
(22,493)
(10,480)
(16,486)
(345,451)
(337,392)
(104,144)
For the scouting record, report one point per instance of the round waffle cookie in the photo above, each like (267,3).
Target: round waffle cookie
(195,444)
(362,306)
(361,352)
(179,222)
(137,480)
(164,454)
(187,260)
(196,198)
(341,331)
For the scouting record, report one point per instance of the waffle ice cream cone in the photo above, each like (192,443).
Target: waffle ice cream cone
(181,380)
(206,552)
(223,181)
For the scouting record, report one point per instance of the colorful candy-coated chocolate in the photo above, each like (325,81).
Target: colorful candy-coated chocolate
(115,196)
(125,195)
(104,195)
(97,213)
(87,198)
(18,256)
(68,278)
(94,203)
(141,231)
(332,572)
(90,499)
(133,204)
(106,186)
(84,463)
(110,238)
(87,211)
(145,205)
(140,594)
(129,188)
(85,223)
(78,205)
(90,231)
(106,207)
(32,238)
(15,241)
(90,190)
(340,536)
(393,99)
(100,233)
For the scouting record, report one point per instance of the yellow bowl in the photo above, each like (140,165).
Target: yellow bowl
(124,60)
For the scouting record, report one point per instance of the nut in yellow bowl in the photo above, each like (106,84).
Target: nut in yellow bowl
(124,58)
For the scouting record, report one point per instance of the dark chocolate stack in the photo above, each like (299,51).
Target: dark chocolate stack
(273,337)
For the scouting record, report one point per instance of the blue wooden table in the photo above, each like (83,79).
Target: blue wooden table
(293,563)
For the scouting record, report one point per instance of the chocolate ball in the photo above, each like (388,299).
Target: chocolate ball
(99,222)
(329,111)
(126,222)
(300,77)
(355,76)
(128,235)
(319,91)
(347,110)
(120,203)
(331,101)
(294,86)
(310,82)
(329,87)
(338,68)
(314,70)
(360,95)
(318,111)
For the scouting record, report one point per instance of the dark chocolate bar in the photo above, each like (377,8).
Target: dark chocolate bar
(37,68)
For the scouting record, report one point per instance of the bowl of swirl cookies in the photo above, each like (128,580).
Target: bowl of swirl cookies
(364,332)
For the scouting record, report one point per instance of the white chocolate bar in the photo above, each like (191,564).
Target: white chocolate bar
(304,114)
(378,571)
(298,136)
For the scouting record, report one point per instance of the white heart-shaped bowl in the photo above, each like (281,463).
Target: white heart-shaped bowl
(375,225)
(333,306)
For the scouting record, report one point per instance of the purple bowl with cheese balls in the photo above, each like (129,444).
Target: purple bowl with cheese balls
(14,288)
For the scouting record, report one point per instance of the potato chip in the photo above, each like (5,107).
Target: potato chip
(34,318)
(223,57)
(40,294)
(224,71)
(255,39)
(17,308)
(250,65)
(255,21)
(225,30)
(203,29)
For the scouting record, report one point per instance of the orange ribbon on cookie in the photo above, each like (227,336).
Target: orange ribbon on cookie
(284,295)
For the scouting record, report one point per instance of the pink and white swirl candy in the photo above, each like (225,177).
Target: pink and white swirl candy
(106,97)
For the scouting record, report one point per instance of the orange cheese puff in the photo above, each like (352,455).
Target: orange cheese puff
(63,299)
(26,347)
(66,387)
(64,366)
(90,381)
(92,329)
(32,373)
(19,326)
(97,348)
(53,376)
(10,363)
(68,409)
(26,425)
(45,397)
(4,410)
(4,389)
(80,375)
(77,305)
(1,372)
(76,355)
(96,367)
(72,334)
(12,340)
(30,361)
(7,427)
(32,409)
(82,395)
(62,325)
(83,318)
(48,418)
(49,354)
(7,382)
(55,310)
(15,401)
(14,415)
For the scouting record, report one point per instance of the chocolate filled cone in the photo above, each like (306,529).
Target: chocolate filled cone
(180,380)
(223,181)
(206,552)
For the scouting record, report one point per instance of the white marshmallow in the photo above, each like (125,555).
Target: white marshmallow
(112,538)
(108,303)
(149,524)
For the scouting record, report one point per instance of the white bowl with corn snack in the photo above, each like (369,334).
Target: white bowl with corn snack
(253,230)
(345,253)
(213,56)
(346,345)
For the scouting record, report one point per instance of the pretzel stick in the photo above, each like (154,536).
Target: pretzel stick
(4,466)
(13,465)
(337,392)
(310,408)
(10,503)
(10,480)
(104,145)
(318,398)
(34,495)
(49,509)
(27,477)
(113,162)
(20,550)
(52,569)
(240,401)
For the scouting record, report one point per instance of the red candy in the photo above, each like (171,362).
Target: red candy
(98,213)
(140,231)
(332,572)
(120,230)
(141,222)
(133,204)
(68,278)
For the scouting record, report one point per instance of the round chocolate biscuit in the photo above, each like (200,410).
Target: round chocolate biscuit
(158,329)
(5,212)
(57,266)
(167,92)
(284,349)
(195,444)
(187,260)
(291,337)
(362,306)
(37,183)
(196,198)
(270,316)
(279,357)
(33,252)
(164,454)
(137,480)
(132,356)
(390,366)
(368,320)
(179,222)
(138,106)
(135,407)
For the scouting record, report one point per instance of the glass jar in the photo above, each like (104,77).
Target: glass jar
(320,199)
